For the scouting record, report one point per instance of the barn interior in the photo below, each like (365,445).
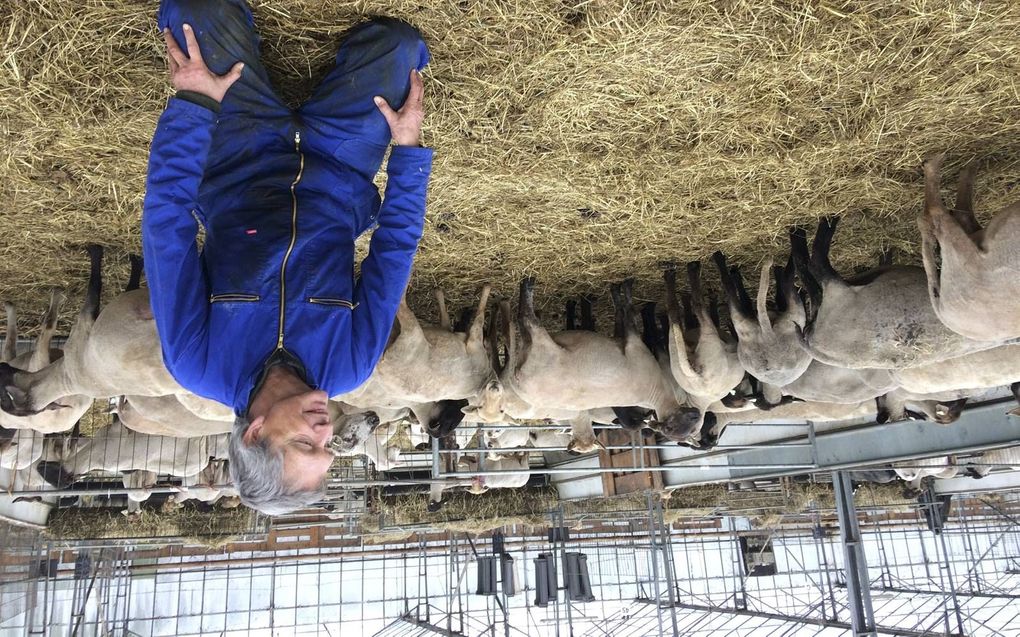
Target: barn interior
(581,143)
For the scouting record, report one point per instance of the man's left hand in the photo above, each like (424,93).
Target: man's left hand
(405,124)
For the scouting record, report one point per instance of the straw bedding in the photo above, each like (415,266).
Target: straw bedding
(581,142)
(503,507)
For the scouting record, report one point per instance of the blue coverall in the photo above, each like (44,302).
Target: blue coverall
(282,195)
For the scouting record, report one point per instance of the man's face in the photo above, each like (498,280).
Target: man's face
(300,427)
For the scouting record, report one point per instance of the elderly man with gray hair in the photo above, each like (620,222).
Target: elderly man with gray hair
(268,316)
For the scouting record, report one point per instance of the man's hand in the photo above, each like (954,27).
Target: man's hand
(405,124)
(188,71)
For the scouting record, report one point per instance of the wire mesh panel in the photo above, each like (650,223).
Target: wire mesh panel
(647,576)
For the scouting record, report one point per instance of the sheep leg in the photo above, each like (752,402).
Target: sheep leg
(707,313)
(90,308)
(41,355)
(582,435)
(763,294)
(801,258)
(690,321)
(95,285)
(619,325)
(782,299)
(672,303)
(526,319)
(929,258)
(532,331)
(492,338)
(963,212)
(476,333)
(820,264)
(738,280)
(677,344)
(570,322)
(649,328)
(463,322)
(663,319)
(939,227)
(11,340)
(135,278)
(1015,388)
(587,315)
(730,287)
(630,329)
(444,315)
(697,297)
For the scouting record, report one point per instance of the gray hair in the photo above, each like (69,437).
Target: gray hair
(257,473)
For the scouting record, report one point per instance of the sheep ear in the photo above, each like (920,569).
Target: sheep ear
(469,411)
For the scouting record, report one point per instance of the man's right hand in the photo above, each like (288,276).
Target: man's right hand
(188,71)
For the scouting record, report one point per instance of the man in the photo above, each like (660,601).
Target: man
(268,317)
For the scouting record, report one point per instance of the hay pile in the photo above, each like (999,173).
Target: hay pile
(578,141)
(213,528)
(463,512)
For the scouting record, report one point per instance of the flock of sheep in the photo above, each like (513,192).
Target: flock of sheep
(898,341)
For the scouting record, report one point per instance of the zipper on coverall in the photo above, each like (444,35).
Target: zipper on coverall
(293,237)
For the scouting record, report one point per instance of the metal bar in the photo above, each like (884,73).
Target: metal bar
(654,555)
(947,566)
(594,470)
(862,616)
(609,448)
(429,627)
(666,545)
(788,618)
(598,425)
(964,594)
(978,429)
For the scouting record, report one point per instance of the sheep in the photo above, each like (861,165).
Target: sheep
(140,482)
(914,472)
(116,353)
(704,363)
(973,272)
(116,448)
(1008,457)
(540,382)
(363,434)
(521,437)
(882,319)
(424,365)
(22,450)
(970,373)
(943,408)
(809,411)
(72,406)
(167,416)
(830,384)
(209,485)
(516,437)
(768,344)
(518,463)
